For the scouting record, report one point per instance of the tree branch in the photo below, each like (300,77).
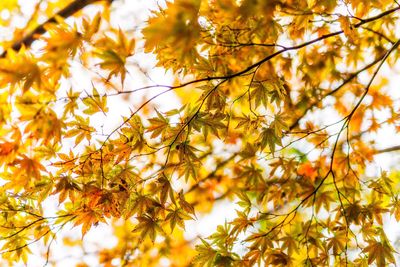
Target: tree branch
(388,149)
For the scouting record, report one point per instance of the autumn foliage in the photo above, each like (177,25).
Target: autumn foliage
(277,110)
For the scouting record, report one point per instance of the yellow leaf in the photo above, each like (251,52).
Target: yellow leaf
(348,28)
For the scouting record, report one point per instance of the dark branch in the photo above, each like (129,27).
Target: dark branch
(388,149)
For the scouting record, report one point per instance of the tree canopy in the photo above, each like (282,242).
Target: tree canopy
(278,110)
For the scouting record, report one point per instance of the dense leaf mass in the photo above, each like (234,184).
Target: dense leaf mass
(278,113)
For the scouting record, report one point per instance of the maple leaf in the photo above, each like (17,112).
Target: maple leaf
(307,170)
(63,38)
(19,68)
(177,216)
(337,243)
(378,252)
(30,166)
(147,226)
(66,187)
(8,151)
(290,243)
(241,223)
(91,27)
(114,53)
(95,103)
(186,206)
(347,28)
(113,62)
(87,218)
(206,254)
(158,125)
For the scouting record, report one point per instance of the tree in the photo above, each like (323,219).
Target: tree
(279,107)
